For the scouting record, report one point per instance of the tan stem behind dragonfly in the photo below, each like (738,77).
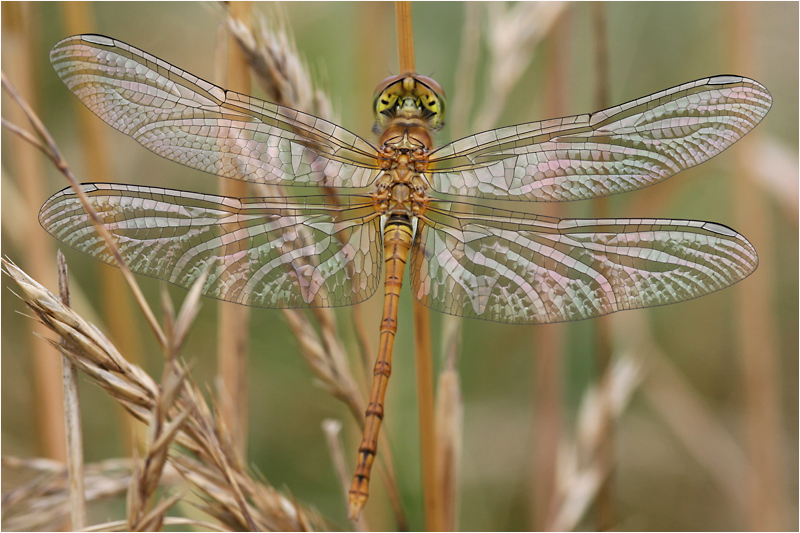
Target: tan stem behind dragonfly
(397,237)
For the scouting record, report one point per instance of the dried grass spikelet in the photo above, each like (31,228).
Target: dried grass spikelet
(279,69)
(326,357)
(449,432)
(285,77)
(580,473)
(144,512)
(42,502)
(513,31)
(204,456)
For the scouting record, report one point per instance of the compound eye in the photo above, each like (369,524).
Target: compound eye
(431,84)
(382,86)
(386,101)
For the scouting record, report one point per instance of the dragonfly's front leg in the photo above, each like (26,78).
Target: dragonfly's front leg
(383,193)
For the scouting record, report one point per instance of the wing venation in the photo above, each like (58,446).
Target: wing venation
(620,149)
(306,251)
(517,268)
(193,122)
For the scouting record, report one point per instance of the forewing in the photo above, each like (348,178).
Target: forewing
(191,121)
(616,150)
(523,269)
(262,252)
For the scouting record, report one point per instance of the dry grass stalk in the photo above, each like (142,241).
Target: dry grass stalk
(511,32)
(233,321)
(327,361)
(405,36)
(165,420)
(581,470)
(605,513)
(279,69)
(332,429)
(423,365)
(72,418)
(549,351)
(757,335)
(285,77)
(115,300)
(423,354)
(20,51)
(205,455)
(449,432)
(325,354)
(122,525)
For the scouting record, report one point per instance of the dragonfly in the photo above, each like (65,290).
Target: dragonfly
(404,201)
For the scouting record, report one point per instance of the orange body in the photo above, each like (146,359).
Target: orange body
(397,242)
(400,198)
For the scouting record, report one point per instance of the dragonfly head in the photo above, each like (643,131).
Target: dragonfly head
(409,96)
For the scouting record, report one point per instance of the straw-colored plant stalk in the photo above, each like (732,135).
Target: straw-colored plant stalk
(204,455)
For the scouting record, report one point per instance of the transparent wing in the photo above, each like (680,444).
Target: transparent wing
(616,150)
(263,252)
(191,121)
(522,269)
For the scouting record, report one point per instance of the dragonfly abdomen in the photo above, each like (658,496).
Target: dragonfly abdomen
(397,238)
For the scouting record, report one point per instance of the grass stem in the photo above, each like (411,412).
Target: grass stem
(232,328)
(72,418)
(405,36)
(422,328)
(605,515)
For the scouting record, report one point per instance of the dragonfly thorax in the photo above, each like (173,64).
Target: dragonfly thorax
(402,187)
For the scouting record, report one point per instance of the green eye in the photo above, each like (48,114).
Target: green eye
(385,100)
(435,105)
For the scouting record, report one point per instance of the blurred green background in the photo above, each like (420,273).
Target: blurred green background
(659,482)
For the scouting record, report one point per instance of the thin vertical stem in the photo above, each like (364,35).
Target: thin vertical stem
(604,503)
(427,413)
(116,301)
(449,426)
(72,418)
(405,36)
(422,331)
(548,358)
(757,338)
(232,339)
(19,40)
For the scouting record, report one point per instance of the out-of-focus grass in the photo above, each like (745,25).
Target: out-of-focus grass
(651,46)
